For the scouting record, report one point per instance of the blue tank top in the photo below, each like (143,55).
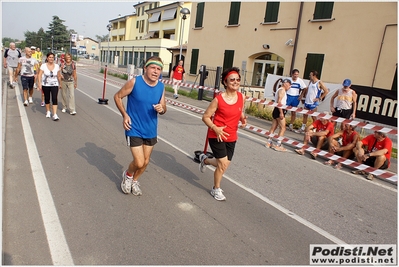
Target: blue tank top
(140,108)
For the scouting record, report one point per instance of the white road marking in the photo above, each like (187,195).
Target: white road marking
(58,245)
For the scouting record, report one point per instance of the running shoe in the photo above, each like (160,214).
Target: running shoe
(268,144)
(217,193)
(136,189)
(30,100)
(48,114)
(280,148)
(202,164)
(126,183)
(175,96)
(63,110)
(291,127)
(26,103)
(55,117)
(42,104)
(73,113)
(300,131)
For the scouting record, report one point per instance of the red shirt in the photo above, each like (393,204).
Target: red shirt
(323,127)
(348,139)
(228,115)
(178,72)
(372,145)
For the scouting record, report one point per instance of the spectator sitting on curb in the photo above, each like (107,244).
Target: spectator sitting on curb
(349,139)
(324,129)
(377,154)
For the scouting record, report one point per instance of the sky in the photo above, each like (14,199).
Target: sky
(87,18)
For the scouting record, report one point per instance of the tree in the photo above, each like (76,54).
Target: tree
(58,35)
(103,38)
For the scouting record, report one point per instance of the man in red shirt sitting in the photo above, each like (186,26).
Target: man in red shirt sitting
(177,74)
(319,138)
(374,150)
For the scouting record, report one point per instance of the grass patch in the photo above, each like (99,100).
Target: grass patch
(118,75)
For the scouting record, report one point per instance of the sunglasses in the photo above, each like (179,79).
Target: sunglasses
(235,79)
(51,74)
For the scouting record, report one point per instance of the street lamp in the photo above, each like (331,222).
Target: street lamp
(52,43)
(41,43)
(109,27)
(184,12)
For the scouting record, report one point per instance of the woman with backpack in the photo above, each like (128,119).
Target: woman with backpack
(69,82)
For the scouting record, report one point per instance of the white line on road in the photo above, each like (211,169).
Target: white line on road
(59,249)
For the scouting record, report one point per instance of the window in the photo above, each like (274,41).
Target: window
(137,24)
(271,14)
(234,13)
(323,10)
(194,61)
(141,26)
(138,11)
(155,17)
(228,59)
(200,15)
(313,62)
(169,14)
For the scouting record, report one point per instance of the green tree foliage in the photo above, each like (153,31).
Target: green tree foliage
(58,34)
(103,38)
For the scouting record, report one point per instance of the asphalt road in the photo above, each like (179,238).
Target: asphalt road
(62,202)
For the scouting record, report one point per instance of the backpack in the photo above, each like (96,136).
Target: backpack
(6,53)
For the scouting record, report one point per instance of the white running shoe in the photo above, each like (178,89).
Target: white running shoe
(48,114)
(126,184)
(73,113)
(55,117)
(26,103)
(42,104)
(136,188)
(218,194)
(202,164)
(63,110)
(30,100)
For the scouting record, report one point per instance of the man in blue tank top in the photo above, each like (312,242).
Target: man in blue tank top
(145,100)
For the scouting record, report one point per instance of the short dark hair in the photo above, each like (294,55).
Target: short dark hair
(294,70)
(315,73)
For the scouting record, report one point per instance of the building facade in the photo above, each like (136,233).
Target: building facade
(356,40)
(150,31)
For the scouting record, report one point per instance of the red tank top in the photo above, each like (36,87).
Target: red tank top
(228,115)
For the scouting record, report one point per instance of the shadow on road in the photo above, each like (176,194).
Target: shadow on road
(168,163)
(103,160)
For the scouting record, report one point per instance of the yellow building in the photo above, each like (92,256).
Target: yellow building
(356,40)
(150,31)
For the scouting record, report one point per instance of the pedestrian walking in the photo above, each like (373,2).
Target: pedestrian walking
(26,65)
(177,75)
(10,63)
(49,82)
(145,100)
(278,115)
(228,110)
(69,82)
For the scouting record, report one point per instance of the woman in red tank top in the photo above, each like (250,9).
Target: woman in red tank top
(228,110)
